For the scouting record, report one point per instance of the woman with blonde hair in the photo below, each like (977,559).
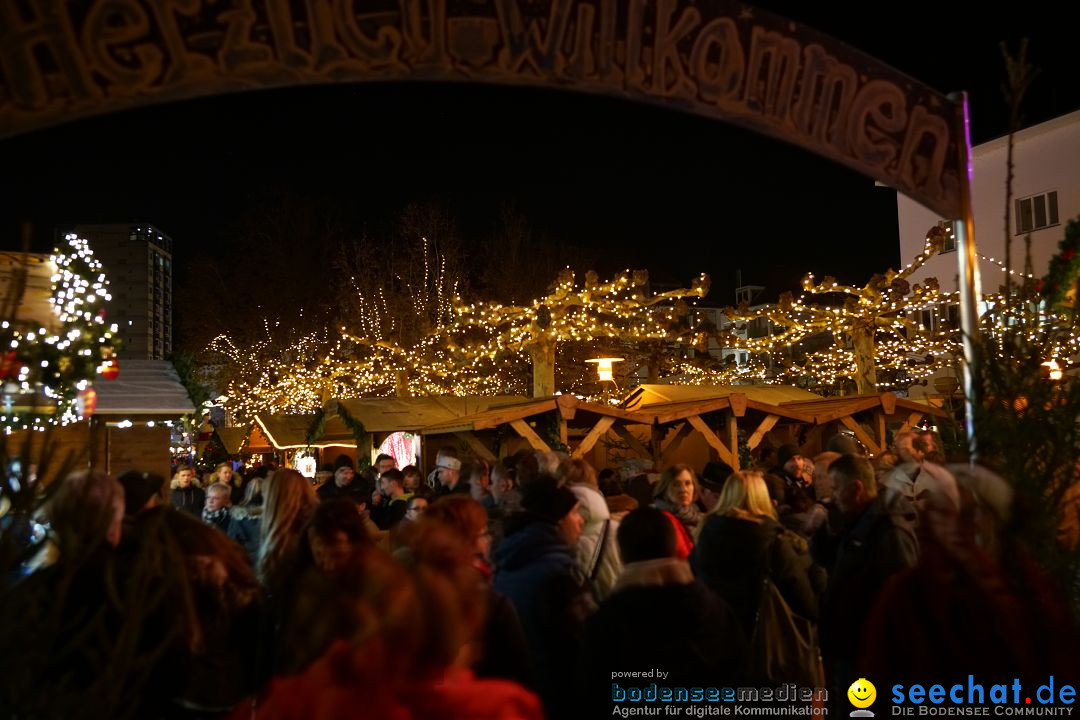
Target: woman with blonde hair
(741,541)
(290,503)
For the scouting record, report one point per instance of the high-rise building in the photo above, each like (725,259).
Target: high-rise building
(138,264)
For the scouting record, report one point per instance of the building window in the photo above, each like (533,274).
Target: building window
(1036,212)
(950,238)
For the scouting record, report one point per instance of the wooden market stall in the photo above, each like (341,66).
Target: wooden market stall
(358,427)
(664,424)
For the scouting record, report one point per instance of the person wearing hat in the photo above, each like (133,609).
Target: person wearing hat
(791,486)
(710,483)
(346,484)
(448,475)
(142,490)
(537,570)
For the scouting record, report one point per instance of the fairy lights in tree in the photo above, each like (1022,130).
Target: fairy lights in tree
(480,349)
(46,373)
(872,326)
(620,309)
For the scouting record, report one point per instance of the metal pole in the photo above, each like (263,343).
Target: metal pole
(968,265)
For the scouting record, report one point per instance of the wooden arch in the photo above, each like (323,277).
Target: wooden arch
(62,60)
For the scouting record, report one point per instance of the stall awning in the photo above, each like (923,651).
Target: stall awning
(655,394)
(232,438)
(144,388)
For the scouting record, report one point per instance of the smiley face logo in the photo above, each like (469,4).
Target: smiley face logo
(862,693)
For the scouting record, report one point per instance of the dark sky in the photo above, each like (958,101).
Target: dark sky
(650,187)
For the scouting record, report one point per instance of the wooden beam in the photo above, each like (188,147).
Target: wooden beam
(597,432)
(738,404)
(656,437)
(478,448)
(879,418)
(567,405)
(530,435)
(759,434)
(673,444)
(733,435)
(501,416)
(888,402)
(914,419)
(714,442)
(811,444)
(861,434)
(635,444)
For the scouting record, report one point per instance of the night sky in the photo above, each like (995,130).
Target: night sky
(643,186)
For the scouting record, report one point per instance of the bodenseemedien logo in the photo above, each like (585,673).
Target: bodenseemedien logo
(862,694)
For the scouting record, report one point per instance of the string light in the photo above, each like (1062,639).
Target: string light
(50,370)
(872,327)
(472,349)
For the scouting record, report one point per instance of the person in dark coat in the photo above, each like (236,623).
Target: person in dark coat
(536,570)
(790,484)
(878,540)
(235,522)
(185,495)
(347,484)
(698,640)
(741,540)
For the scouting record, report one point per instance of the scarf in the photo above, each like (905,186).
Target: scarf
(216,517)
(690,517)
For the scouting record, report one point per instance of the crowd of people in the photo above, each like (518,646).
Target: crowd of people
(517,589)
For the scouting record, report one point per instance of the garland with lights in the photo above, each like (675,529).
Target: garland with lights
(46,373)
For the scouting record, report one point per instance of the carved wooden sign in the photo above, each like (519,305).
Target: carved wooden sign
(64,59)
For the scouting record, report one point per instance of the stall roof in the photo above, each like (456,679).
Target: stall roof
(291,431)
(377,415)
(568,405)
(233,438)
(643,396)
(824,410)
(144,387)
(411,414)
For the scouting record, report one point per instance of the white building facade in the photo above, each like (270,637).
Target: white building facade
(1046,195)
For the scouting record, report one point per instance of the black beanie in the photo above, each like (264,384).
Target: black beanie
(549,503)
(139,487)
(785,453)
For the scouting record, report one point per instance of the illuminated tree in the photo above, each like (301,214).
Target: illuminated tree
(872,325)
(48,364)
(620,309)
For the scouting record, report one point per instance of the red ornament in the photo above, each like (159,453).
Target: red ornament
(8,367)
(110,369)
(1068,254)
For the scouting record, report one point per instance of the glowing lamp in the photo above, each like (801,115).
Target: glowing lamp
(603,367)
(1055,369)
